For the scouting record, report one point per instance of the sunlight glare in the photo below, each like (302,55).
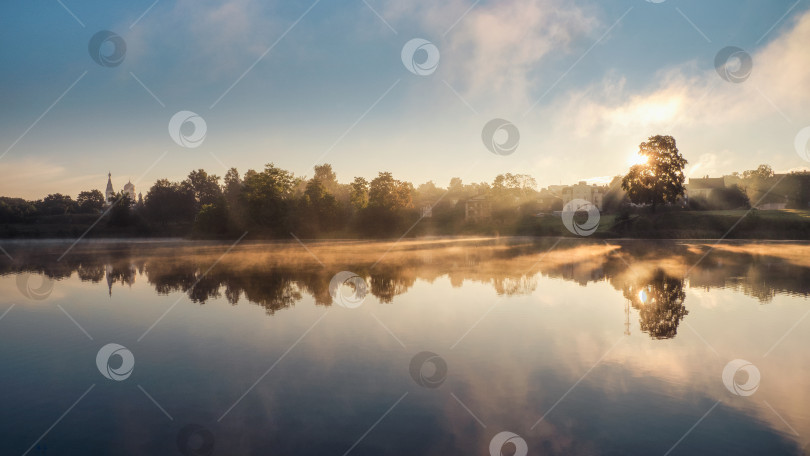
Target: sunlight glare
(636,159)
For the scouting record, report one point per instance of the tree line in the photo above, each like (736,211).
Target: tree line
(274,202)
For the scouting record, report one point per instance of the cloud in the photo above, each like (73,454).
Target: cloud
(491,54)
(207,39)
(35,178)
(779,86)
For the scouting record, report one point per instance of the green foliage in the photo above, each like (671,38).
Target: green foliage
(170,202)
(359,193)
(267,196)
(760,185)
(56,204)
(763,172)
(90,202)
(388,193)
(15,210)
(274,203)
(319,210)
(212,219)
(121,211)
(660,180)
(721,199)
(204,186)
(389,204)
(327,178)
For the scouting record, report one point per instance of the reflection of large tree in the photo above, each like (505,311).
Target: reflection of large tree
(659,302)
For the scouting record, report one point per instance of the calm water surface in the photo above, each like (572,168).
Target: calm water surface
(575,347)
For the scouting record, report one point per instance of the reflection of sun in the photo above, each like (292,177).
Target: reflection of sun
(636,159)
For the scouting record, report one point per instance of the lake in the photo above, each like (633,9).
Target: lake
(430,347)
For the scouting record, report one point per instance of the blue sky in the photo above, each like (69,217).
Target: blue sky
(584,81)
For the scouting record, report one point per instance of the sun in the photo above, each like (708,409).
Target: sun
(636,159)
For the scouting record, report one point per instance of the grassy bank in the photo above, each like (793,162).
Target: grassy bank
(733,224)
(663,224)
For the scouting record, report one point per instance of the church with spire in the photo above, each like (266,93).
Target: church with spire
(129,189)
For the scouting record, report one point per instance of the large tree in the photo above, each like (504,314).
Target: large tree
(319,210)
(56,204)
(389,193)
(205,187)
(121,210)
(90,201)
(660,180)
(267,196)
(358,193)
(327,178)
(169,202)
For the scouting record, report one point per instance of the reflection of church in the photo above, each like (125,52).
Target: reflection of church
(129,189)
(123,274)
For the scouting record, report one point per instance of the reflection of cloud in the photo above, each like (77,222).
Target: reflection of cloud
(556,345)
(703,298)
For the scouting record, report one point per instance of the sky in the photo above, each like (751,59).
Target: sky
(300,83)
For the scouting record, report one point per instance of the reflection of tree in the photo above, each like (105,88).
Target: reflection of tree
(511,286)
(272,291)
(91,272)
(120,272)
(659,303)
(277,280)
(387,284)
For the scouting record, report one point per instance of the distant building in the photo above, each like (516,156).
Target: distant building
(426,211)
(109,193)
(593,194)
(129,189)
(548,200)
(477,208)
(702,186)
(774,206)
(776,199)
(731,180)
